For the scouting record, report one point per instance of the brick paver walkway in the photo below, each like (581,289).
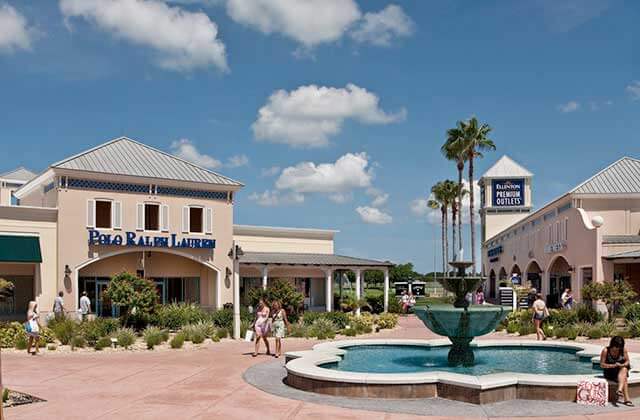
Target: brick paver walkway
(200,384)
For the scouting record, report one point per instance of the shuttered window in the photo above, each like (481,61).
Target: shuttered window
(151,217)
(195,219)
(117,215)
(164,218)
(91,215)
(208,221)
(103,214)
(139,216)
(185,220)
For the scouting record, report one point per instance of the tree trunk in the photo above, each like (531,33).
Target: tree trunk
(472,218)
(454,212)
(444,242)
(460,169)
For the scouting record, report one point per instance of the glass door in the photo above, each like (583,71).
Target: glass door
(103,304)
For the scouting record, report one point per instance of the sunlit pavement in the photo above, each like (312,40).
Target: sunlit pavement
(200,384)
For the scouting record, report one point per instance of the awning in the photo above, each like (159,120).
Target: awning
(21,249)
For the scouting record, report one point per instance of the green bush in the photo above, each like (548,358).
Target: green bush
(572,333)
(513,327)
(309,317)
(349,332)
(394,304)
(594,333)
(97,328)
(9,332)
(177,341)
(612,293)
(387,320)
(223,318)
(21,342)
(153,336)
(634,328)
(608,328)
(363,324)
(64,330)
(339,319)
(135,297)
(77,342)
(547,329)
(561,332)
(299,330)
(563,317)
(375,301)
(126,337)
(5,395)
(207,328)
(582,328)
(322,329)
(52,347)
(176,315)
(631,312)
(587,313)
(46,336)
(526,329)
(197,337)
(102,343)
(221,333)
(215,338)
(279,290)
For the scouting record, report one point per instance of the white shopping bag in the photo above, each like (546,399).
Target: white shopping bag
(593,392)
(248,337)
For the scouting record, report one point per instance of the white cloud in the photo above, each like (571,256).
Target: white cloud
(272,171)
(309,22)
(340,198)
(183,40)
(380,198)
(347,173)
(14,32)
(634,90)
(309,115)
(380,28)
(185,149)
(373,215)
(419,207)
(272,198)
(570,106)
(237,161)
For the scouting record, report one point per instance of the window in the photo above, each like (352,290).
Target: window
(195,219)
(151,216)
(103,214)
(566,229)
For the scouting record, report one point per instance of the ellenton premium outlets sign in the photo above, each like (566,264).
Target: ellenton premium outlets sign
(508,192)
(133,239)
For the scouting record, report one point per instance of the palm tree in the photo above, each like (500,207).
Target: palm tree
(475,141)
(455,192)
(439,200)
(453,150)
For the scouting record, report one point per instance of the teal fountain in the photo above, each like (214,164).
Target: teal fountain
(461,322)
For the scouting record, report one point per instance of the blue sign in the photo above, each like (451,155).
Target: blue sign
(132,239)
(508,192)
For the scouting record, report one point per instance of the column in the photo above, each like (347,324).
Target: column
(358,282)
(265,277)
(386,289)
(236,296)
(328,279)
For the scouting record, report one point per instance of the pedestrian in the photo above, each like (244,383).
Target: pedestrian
(85,306)
(567,299)
(479,296)
(531,296)
(262,327)
(540,312)
(58,306)
(32,327)
(280,326)
(404,301)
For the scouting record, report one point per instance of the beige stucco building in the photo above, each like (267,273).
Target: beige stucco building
(124,206)
(590,233)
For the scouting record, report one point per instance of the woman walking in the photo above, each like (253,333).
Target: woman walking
(262,327)
(32,328)
(614,361)
(540,312)
(280,326)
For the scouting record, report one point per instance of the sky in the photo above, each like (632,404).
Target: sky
(332,112)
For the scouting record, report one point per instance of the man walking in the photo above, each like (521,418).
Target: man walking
(58,306)
(85,306)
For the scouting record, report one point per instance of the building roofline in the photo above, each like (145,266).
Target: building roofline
(602,171)
(275,231)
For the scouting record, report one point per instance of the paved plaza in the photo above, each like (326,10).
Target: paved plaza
(208,383)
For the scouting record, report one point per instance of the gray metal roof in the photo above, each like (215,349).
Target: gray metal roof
(123,156)
(627,254)
(621,239)
(286,258)
(621,177)
(19,174)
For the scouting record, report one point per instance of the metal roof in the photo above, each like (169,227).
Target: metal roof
(19,174)
(627,254)
(123,156)
(621,239)
(286,258)
(621,177)
(507,167)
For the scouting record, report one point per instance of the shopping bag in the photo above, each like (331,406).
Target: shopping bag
(593,391)
(248,337)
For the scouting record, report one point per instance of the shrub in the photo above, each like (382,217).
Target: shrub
(197,337)
(222,318)
(560,332)
(279,290)
(299,330)
(572,334)
(97,328)
(394,304)
(64,330)
(582,328)
(221,333)
(136,297)
(631,312)
(339,319)
(512,327)
(387,320)
(634,328)
(46,336)
(547,329)
(176,315)
(126,337)
(587,313)
(625,334)
(244,326)
(612,293)
(349,332)
(375,301)
(526,329)
(52,347)
(309,317)
(21,342)
(563,317)
(153,336)
(9,333)
(177,341)
(207,328)
(189,331)
(322,329)
(608,328)
(594,333)
(102,343)
(363,324)
(215,338)
(77,342)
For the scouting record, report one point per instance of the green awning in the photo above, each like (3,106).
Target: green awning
(22,249)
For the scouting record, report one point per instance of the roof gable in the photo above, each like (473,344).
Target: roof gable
(123,156)
(621,177)
(19,174)
(507,167)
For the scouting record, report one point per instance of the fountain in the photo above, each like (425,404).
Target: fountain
(461,322)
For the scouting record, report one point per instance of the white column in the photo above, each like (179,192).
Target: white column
(329,289)
(358,282)
(265,277)
(386,289)
(236,295)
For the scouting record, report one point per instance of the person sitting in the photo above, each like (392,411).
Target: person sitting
(614,361)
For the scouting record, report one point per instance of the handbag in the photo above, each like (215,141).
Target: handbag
(248,336)
(27,327)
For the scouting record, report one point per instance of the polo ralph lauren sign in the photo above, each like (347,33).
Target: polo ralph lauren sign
(132,239)
(508,192)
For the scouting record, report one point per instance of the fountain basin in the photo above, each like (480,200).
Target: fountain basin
(316,371)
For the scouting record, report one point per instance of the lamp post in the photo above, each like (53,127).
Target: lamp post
(235,253)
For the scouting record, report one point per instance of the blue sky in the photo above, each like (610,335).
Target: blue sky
(329,108)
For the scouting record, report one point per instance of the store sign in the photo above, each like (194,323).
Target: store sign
(555,247)
(508,192)
(133,239)
(494,252)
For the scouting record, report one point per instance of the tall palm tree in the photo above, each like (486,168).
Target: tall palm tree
(455,193)
(475,142)
(439,200)
(453,150)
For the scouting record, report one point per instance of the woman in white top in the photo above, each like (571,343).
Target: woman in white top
(33,328)
(540,312)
